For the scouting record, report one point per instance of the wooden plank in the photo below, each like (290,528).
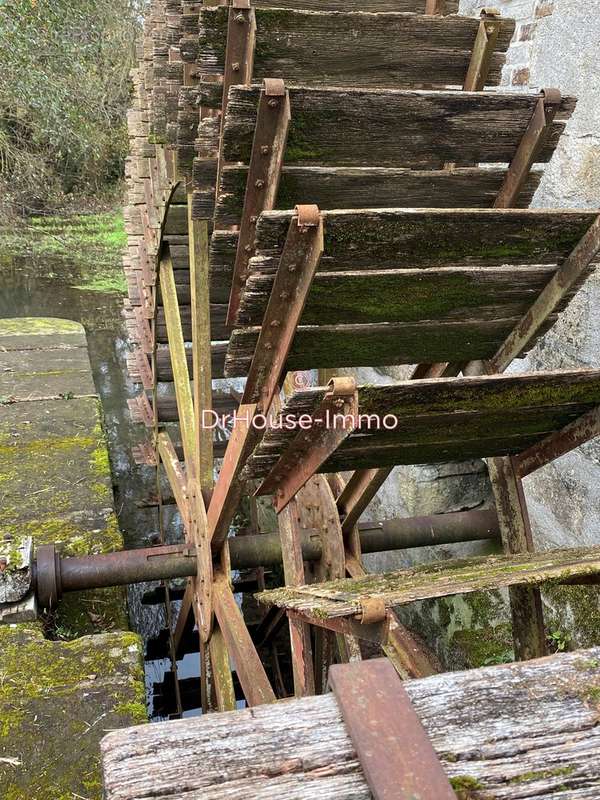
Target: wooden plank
(221,672)
(293,571)
(488,415)
(372,6)
(218,330)
(528,629)
(248,666)
(379,50)
(379,344)
(416,295)
(201,350)
(582,430)
(570,272)
(368,187)
(359,127)
(176,477)
(164,370)
(439,579)
(178,358)
(422,238)
(526,729)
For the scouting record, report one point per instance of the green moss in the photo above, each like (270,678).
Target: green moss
(483,647)
(38,325)
(543,774)
(466,788)
(575,609)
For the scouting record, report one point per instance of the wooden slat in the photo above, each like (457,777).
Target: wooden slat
(445,419)
(368,187)
(164,371)
(414,238)
(218,329)
(376,345)
(373,6)
(407,295)
(389,128)
(440,579)
(379,50)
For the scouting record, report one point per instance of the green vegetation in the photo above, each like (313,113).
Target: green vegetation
(63,96)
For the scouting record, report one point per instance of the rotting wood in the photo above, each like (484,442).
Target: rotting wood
(377,50)
(513,731)
(347,127)
(318,602)
(362,187)
(178,358)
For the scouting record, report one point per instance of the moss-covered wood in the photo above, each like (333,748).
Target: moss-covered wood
(380,50)
(360,127)
(417,422)
(407,295)
(439,579)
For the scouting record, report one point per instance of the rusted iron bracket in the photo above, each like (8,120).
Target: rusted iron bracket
(334,421)
(239,51)
(529,146)
(579,432)
(270,136)
(396,755)
(548,300)
(299,260)
(483,49)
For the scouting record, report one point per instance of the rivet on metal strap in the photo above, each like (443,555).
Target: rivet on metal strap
(552,97)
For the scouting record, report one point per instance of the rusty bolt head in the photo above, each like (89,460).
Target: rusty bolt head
(284,295)
(268,346)
(248,248)
(235,66)
(239,18)
(275,323)
(259,184)
(265,149)
(291,268)
(253,219)
(272,103)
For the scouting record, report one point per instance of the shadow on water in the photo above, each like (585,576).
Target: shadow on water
(51,286)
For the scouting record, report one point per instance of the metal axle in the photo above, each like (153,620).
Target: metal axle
(53,575)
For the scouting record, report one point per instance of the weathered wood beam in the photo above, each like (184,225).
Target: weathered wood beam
(483,49)
(293,570)
(262,184)
(175,476)
(181,376)
(344,598)
(524,729)
(358,493)
(248,666)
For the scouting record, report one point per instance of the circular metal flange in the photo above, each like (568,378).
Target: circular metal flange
(47,573)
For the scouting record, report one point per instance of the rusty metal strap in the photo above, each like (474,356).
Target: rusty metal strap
(396,755)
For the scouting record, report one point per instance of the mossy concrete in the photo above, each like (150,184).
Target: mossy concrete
(57,700)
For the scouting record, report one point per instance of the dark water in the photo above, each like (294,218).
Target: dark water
(44,287)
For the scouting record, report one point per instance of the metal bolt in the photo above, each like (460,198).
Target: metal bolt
(259,184)
(284,295)
(275,323)
(291,268)
(253,219)
(272,103)
(248,248)
(268,346)
(239,18)
(265,149)
(235,66)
